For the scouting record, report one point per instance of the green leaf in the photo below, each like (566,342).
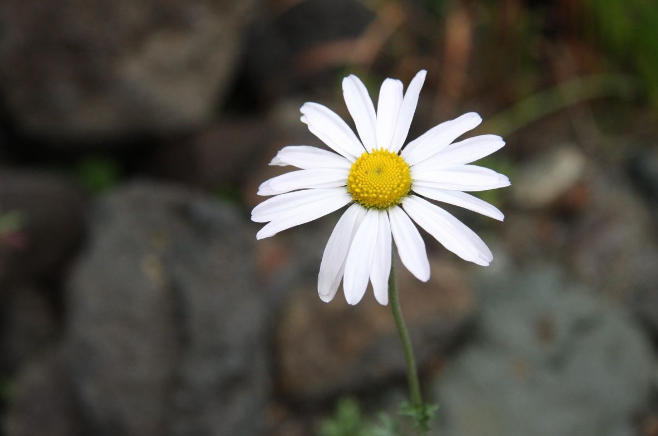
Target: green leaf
(348,420)
(10,222)
(6,389)
(97,174)
(387,426)
(420,415)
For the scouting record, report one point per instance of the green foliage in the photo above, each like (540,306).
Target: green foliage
(420,415)
(97,174)
(628,30)
(437,7)
(10,222)
(348,421)
(387,426)
(228,193)
(6,389)
(558,97)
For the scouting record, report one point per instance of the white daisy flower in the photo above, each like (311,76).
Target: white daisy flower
(386,185)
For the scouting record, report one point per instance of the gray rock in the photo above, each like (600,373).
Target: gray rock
(549,360)
(42,402)
(105,69)
(166,333)
(41,224)
(643,169)
(325,350)
(549,176)
(28,326)
(613,245)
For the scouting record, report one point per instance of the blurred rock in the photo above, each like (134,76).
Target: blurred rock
(42,401)
(108,69)
(326,349)
(548,177)
(645,304)
(41,224)
(28,326)
(549,360)
(648,422)
(216,156)
(310,37)
(613,245)
(534,235)
(286,421)
(644,172)
(167,327)
(3,145)
(287,129)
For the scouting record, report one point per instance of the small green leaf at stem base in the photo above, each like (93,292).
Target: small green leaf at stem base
(420,415)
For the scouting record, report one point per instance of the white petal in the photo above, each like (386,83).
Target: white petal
(464,152)
(411,246)
(439,137)
(359,258)
(273,207)
(380,268)
(311,212)
(362,110)
(390,99)
(314,178)
(459,178)
(307,157)
(335,253)
(461,199)
(448,230)
(407,111)
(332,130)
(267,191)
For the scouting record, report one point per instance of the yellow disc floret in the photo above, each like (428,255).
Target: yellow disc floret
(379,179)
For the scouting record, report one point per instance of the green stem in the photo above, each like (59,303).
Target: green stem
(412,372)
(560,96)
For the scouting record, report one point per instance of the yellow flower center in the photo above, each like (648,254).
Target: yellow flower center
(379,179)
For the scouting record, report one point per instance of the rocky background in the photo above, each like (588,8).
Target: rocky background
(135,300)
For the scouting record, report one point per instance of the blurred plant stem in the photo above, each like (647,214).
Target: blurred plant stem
(559,97)
(419,412)
(412,372)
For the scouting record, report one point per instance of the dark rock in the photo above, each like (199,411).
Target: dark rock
(216,156)
(28,326)
(41,224)
(166,332)
(645,304)
(325,349)
(42,402)
(106,69)
(643,169)
(276,48)
(287,129)
(548,360)
(3,147)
